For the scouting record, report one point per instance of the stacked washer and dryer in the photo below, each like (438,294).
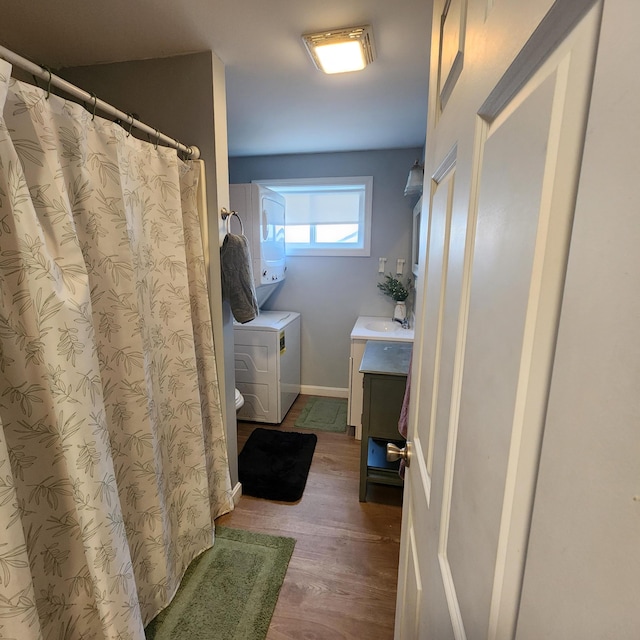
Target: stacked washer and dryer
(267,349)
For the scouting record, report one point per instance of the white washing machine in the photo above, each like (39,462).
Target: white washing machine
(267,363)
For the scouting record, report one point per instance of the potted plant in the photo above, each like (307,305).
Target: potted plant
(397,291)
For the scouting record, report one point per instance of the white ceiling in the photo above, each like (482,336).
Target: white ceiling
(277,101)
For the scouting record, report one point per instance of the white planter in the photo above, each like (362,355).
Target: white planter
(400,311)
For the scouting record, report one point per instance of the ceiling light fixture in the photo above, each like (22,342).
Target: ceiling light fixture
(341,50)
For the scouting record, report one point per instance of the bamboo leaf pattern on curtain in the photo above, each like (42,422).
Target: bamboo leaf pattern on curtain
(113,460)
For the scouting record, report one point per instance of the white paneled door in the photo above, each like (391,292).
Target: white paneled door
(509,99)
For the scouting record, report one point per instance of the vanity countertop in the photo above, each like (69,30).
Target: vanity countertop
(376,328)
(389,358)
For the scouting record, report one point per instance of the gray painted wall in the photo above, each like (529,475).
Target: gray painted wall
(329,292)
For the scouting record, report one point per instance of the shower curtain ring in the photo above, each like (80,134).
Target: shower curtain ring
(157,138)
(130,115)
(95,102)
(49,83)
(178,146)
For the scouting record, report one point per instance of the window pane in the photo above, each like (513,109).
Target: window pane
(297,233)
(337,233)
(326,216)
(326,207)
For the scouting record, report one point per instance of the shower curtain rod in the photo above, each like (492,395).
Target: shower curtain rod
(42,72)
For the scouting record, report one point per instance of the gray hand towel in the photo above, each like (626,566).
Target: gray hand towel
(237,278)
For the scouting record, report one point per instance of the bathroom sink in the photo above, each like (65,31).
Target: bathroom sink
(379,328)
(382,326)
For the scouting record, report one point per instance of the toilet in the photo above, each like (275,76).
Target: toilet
(239,401)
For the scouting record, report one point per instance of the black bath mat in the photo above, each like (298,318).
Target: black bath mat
(275,464)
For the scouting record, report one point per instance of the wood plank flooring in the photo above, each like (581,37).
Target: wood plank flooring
(341,581)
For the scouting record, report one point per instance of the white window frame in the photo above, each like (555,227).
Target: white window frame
(365,222)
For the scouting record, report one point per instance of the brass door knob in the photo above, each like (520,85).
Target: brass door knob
(396,453)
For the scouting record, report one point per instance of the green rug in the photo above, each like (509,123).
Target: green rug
(229,591)
(324,414)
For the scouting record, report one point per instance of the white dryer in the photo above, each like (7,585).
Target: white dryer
(267,364)
(262,212)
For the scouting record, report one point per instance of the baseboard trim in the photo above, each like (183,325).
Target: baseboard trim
(329,392)
(236,494)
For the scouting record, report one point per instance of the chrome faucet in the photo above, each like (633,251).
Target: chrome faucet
(404,322)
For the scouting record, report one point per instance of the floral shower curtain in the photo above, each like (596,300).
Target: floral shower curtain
(113,460)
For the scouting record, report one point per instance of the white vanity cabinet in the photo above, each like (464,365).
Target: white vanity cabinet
(356,380)
(367,328)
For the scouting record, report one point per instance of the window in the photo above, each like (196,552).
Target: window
(326,216)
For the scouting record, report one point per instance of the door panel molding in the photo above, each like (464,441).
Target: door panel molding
(456,392)
(446,165)
(453,25)
(499,271)
(572,63)
(561,19)
(457,623)
(444,178)
(410,630)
